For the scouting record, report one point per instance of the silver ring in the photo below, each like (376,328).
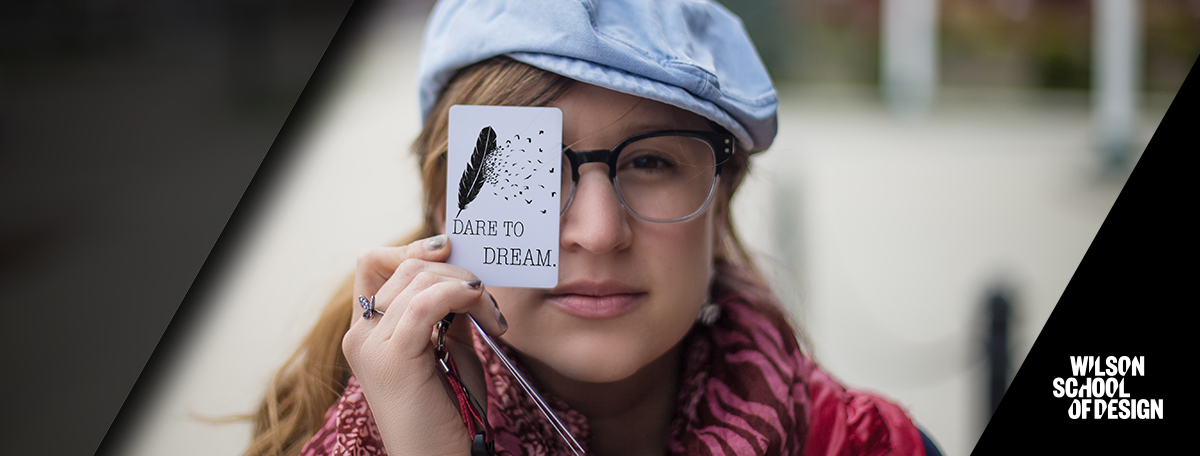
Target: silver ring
(368,306)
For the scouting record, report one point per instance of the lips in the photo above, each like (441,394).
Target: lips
(596,299)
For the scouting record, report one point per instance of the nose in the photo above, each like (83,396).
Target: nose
(596,221)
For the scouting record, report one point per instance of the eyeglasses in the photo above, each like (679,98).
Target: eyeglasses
(659,176)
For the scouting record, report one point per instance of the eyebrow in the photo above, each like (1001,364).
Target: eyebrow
(634,129)
(654,125)
(644,125)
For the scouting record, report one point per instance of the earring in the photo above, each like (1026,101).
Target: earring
(709,313)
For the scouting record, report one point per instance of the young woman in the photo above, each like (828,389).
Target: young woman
(661,336)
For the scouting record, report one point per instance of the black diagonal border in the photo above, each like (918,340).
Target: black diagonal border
(270,172)
(1130,296)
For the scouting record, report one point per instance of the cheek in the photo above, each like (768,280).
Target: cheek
(679,258)
(683,254)
(514,302)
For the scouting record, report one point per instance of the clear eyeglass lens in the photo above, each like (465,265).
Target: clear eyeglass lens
(666,177)
(660,178)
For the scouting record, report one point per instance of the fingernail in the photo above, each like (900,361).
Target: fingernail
(435,242)
(499,316)
(474,284)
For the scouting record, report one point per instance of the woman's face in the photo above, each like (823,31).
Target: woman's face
(628,290)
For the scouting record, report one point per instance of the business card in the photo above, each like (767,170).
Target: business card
(503,188)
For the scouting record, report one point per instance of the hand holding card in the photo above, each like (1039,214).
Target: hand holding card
(503,190)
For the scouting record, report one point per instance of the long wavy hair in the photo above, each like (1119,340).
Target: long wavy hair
(313,378)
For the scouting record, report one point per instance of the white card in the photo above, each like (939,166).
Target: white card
(502,193)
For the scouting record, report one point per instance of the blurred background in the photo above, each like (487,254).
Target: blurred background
(941,168)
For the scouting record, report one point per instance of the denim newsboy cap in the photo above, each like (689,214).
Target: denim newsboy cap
(692,54)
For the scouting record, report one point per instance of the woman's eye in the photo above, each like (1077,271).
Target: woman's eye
(649,162)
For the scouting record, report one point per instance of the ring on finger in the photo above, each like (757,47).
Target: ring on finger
(368,305)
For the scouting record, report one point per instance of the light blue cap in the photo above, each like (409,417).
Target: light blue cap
(692,54)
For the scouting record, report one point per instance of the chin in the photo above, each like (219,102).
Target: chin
(598,350)
(598,359)
(597,369)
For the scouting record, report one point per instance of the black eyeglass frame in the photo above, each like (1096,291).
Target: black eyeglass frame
(722,144)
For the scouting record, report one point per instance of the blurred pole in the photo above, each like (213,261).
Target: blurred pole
(1116,64)
(909,54)
(998,312)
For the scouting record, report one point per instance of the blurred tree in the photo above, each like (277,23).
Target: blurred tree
(1013,43)
(1172,42)
(834,41)
(764,22)
(1062,45)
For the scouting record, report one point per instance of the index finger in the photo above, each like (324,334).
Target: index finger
(377,264)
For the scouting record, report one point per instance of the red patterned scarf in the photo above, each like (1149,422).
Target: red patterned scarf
(746,389)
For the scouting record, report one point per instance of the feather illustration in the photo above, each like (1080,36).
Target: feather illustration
(479,169)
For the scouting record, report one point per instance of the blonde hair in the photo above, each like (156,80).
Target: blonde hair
(313,378)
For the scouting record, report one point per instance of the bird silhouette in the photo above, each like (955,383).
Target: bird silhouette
(507,165)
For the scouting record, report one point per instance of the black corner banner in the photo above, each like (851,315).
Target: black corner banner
(129,132)
(348,21)
(1108,373)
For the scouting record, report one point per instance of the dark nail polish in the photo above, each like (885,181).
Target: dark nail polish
(474,284)
(503,321)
